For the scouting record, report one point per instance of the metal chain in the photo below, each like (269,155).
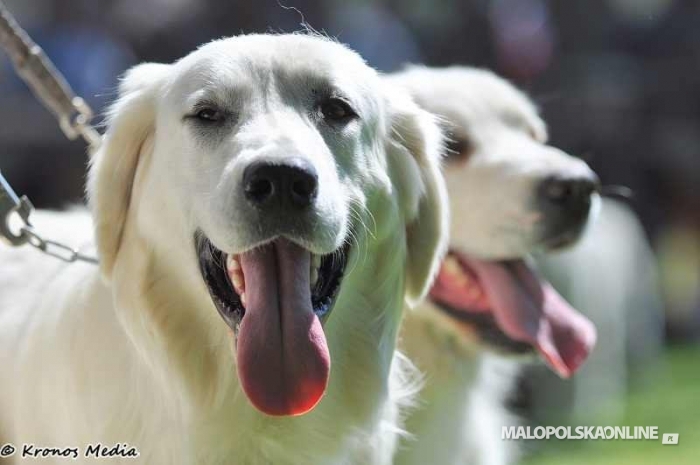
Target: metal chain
(12,205)
(47,83)
(55,249)
(73,115)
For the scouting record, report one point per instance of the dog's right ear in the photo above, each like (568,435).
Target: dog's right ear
(130,121)
(415,149)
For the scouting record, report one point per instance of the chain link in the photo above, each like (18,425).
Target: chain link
(73,115)
(18,210)
(55,249)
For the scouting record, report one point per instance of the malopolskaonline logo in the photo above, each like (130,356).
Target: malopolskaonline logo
(606,433)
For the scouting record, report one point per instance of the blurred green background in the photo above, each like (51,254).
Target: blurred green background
(669,402)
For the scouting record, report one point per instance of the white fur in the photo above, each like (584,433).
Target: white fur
(461,409)
(458,415)
(492,194)
(140,355)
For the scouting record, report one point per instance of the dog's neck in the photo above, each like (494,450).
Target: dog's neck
(450,368)
(461,408)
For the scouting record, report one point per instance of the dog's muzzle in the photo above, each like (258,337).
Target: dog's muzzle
(565,204)
(276,294)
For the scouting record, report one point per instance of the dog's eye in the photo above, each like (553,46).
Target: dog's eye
(457,149)
(210,115)
(338,110)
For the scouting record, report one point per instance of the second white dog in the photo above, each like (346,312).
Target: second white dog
(510,195)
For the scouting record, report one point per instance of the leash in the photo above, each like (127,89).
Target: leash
(73,114)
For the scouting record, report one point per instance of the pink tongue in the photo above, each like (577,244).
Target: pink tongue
(283,359)
(528,309)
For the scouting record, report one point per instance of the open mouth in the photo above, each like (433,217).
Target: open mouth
(274,298)
(513,308)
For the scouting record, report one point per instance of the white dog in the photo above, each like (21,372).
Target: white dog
(510,195)
(274,179)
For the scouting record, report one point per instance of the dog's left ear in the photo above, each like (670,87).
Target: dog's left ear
(414,152)
(130,123)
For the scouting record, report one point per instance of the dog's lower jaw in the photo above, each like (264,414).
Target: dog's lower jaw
(188,342)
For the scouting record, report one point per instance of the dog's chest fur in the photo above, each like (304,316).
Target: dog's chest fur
(156,377)
(461,409)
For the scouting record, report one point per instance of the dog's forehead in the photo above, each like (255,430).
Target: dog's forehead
(472,98)
(285,60)
(491,96)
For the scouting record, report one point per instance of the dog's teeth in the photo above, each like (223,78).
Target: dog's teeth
(232,263)
(237,280)
(235,272)
(243,299)
(315,264)
(452,266)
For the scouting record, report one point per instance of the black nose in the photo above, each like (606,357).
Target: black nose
(291,182)
(567,192)
(565,204)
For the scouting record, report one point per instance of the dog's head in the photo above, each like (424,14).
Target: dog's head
(511,194)
(260,165)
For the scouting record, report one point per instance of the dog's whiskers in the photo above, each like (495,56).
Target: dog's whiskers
(363,252)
